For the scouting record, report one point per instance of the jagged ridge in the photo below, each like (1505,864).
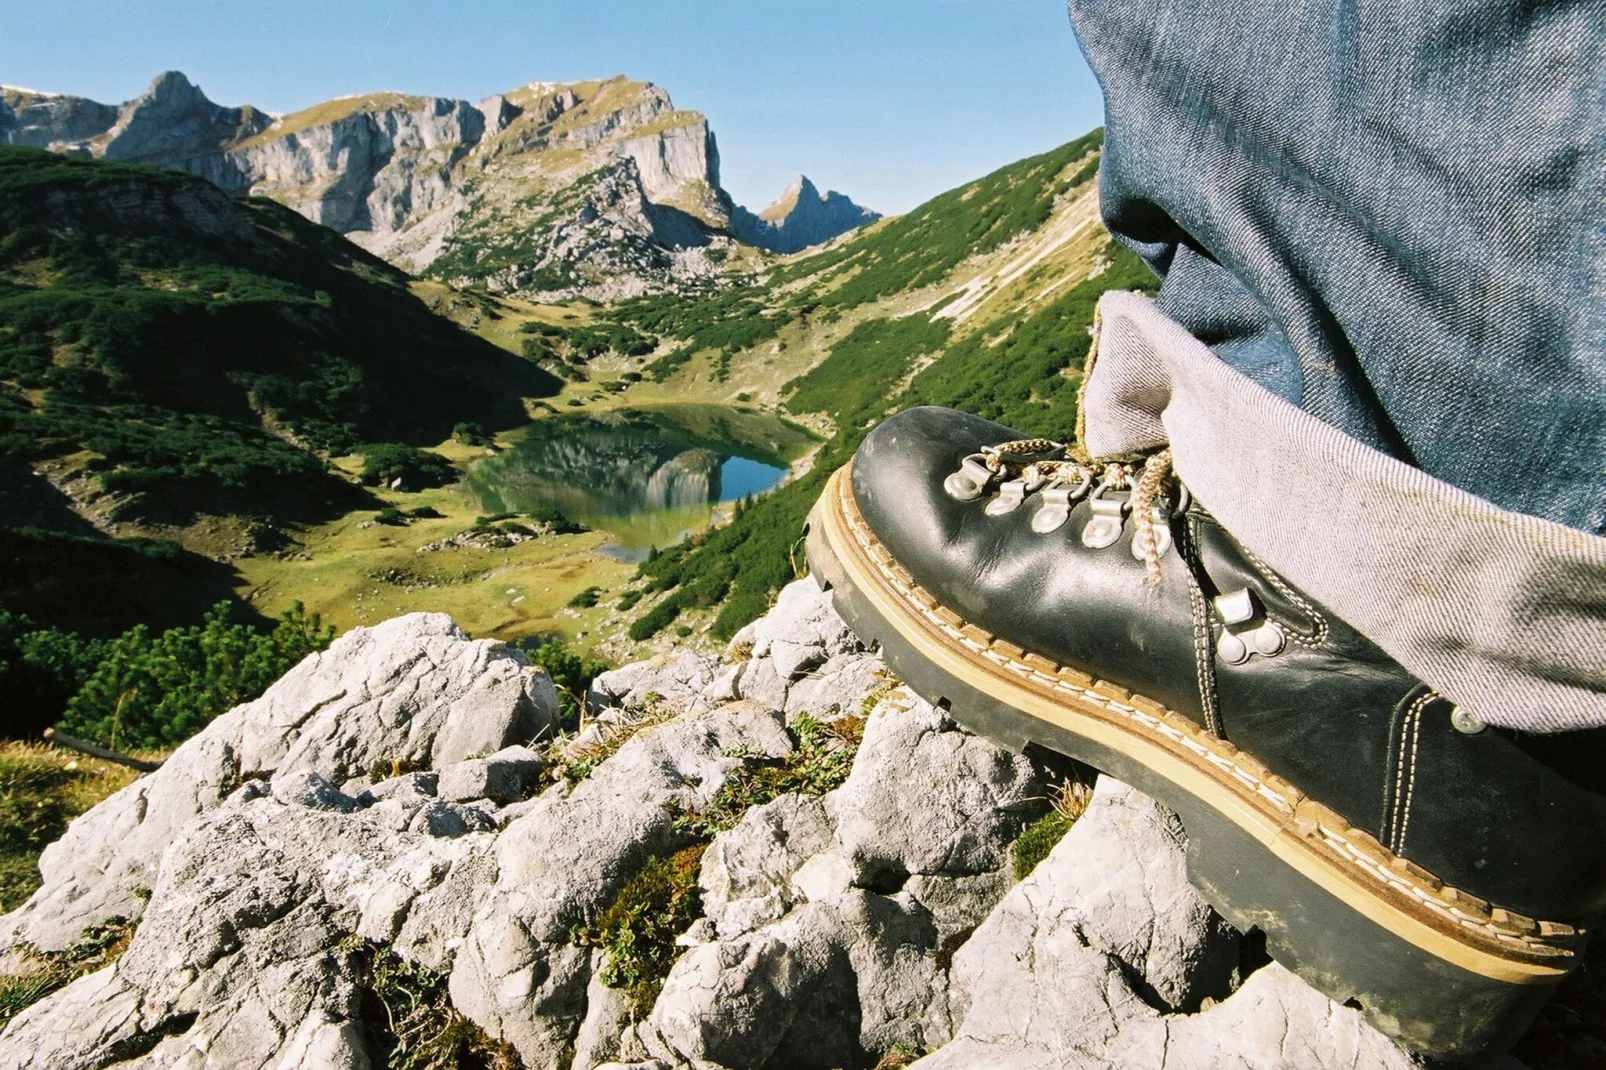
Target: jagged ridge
(601,187)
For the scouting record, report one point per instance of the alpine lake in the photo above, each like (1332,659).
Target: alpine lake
(648,477)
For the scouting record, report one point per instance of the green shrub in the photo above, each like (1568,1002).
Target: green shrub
(383,463)
(571,674)
(392,516)
(639,927)
(628,600)
(471,433)
(149,692)
(410,1016)
(586,599)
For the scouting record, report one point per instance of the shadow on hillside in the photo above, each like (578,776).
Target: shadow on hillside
(102,587)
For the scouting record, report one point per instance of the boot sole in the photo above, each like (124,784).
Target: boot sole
(1438,969)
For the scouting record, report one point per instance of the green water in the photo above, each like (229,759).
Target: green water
(648,477)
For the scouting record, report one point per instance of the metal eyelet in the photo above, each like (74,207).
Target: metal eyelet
(1010,495)
(1161,516)
(971,480)
(1057,503)
(1465,723)
(1242,638)
(1108,514)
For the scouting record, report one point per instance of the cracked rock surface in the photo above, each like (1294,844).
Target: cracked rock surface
(882,915)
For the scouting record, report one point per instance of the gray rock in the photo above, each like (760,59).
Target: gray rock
(237,954)
(837,687)
(608,1014)
(1052,978)
(413,786)
(747,871)
(436,818)
(836,928)
(518,975)
(306,788)
(927,797)
(412,689)
(678,681)
(507,776)
(787,987)
(801,630)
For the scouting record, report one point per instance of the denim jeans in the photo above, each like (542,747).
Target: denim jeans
(1391,214)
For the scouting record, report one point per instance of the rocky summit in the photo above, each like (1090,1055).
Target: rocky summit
(773,857)
(800,217)
(603,188)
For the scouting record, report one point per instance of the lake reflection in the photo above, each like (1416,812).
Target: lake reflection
(649,477)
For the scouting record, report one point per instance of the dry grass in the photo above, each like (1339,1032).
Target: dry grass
(574,763)
(42,788)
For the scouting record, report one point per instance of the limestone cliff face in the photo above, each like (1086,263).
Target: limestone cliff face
(802,216)
(51,120)
(600,188)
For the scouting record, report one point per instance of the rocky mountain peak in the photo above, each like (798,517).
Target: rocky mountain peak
(458,189)
(800,217)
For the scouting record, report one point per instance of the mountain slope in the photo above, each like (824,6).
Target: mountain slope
(187,353)
(601,188)
(981,299)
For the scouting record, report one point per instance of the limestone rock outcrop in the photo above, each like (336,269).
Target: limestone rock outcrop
(877,912)
(599,188)
(800,217)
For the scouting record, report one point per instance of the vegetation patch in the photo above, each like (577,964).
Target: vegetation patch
(922,247)
(201,349)
(44,972)
(1068,801)
(1025,372)
(43,788)
(392,463)
(148,691)
(820,761)
(639,927)
(410,1016)
(573,762)
(571,674)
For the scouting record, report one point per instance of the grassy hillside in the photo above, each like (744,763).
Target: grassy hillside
(1020,249)
(197,354)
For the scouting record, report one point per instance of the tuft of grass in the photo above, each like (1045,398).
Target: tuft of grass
(639,927)
(820,761)
(574,763)
(886,684)
(897,1057)
(410,1014)
(42,788)
(1068,801)
(46,972)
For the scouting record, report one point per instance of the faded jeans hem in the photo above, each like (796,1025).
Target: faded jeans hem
(1501,612)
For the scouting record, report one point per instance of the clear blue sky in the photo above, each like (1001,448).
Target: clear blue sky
(889,101)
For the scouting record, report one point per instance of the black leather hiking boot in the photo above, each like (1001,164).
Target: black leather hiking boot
(1396,852)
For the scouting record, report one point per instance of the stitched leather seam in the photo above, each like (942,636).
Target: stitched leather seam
(1319,623)
(1319,626)
(1410,784)
(1391,799)
(1311,820)
(1203,666)
(1405,760)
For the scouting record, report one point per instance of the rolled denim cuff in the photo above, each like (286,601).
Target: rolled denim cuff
(1502,612)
